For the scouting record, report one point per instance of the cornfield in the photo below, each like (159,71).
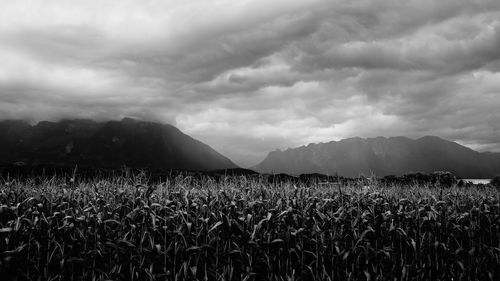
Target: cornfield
(245,229)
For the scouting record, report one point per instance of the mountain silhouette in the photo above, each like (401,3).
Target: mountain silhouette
(106,144)
(382,156)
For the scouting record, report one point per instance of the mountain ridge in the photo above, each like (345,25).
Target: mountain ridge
(129,142)
(382,156)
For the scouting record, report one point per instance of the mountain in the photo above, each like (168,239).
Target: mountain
(383,156)
(106,144)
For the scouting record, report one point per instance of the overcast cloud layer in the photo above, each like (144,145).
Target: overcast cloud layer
(248,77)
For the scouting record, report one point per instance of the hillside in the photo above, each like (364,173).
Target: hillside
(382,156)
(106,144)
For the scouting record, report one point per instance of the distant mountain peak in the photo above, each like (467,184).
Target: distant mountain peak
(127,142)
(382,156)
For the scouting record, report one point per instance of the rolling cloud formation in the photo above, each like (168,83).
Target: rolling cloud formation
(248,77)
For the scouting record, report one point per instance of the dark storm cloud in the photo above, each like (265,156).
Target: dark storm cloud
(248,77)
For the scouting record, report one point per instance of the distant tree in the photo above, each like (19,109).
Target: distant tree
(416,178)
(390,179)
(445,179)
(461,183)
(495,181)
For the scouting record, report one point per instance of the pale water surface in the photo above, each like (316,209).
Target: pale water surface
(478,181)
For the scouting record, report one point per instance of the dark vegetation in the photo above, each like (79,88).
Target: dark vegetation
(245,227)
(88,173)
(495,181)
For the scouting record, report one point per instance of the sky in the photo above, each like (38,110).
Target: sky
(249,77)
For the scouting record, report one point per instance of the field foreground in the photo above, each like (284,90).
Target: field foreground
(242,229)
